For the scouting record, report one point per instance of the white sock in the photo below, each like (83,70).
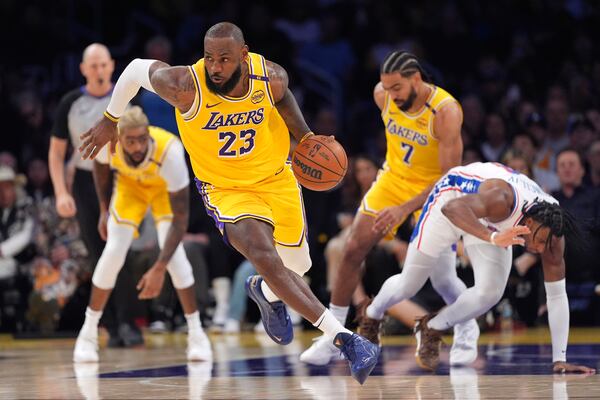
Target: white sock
(193,321)
(221,289)
(329,325)
(267,292)
(340,313)
(92,318)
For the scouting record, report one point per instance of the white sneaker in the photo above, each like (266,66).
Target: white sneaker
(321,352)
(464,347)
(231,326)
(198,346)
(86,347)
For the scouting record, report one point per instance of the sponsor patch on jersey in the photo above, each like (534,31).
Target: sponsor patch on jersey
(257,96)
(422,123)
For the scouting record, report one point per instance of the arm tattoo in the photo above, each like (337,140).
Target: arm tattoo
(180,205)
(173,84)
(103,183)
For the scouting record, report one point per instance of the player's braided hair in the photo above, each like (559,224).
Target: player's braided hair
(551,215)
(404,62)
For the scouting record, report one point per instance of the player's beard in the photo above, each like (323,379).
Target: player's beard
(226,86)
(132,161)
(408,103)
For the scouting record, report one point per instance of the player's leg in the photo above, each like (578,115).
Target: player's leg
(417,268)
(360,241)
(254,239)
(110,263)
(491,266)
(447,283)
(182,277)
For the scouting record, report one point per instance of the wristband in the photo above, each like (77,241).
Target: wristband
(111,117)
(305,136)
(492,238)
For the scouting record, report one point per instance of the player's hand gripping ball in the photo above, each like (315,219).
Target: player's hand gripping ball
(319,163)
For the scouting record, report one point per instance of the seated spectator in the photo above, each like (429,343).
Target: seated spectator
(583,202)
(16,232)
(516,160)
(581,134)
(593,158)
(39,187)
(55,281)
(495,138)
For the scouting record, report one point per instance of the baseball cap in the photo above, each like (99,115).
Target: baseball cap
(6,174)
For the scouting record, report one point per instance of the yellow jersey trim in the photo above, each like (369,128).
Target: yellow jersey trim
(197,104)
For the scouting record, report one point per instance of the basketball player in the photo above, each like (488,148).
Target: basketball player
(76,113)
(150,173)
(235,113)
(493,208)
(422,126)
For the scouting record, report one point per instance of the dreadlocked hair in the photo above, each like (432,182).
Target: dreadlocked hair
(403,62)
(558,220)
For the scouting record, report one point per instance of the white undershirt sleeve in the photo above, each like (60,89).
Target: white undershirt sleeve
(173,168)
(135,75)
(558,318)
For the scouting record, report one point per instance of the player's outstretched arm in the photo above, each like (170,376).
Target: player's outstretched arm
(553,264)
(286,102)
(173,84)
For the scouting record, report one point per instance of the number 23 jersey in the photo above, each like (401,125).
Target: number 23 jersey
(234,141)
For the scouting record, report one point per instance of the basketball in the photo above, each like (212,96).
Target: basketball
(319,163)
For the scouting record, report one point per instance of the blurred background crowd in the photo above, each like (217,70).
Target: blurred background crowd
(527,74)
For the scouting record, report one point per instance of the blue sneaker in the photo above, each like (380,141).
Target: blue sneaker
(274,316)
(361,354)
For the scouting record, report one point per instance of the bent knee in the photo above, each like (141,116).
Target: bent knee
(489,297)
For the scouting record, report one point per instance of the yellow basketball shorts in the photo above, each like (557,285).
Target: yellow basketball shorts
(131,201)
(276,200)
(390,190)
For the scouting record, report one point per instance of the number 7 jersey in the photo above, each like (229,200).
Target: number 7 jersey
(412,148)
(234,141)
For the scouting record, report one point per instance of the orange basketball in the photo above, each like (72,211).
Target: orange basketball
(319,163)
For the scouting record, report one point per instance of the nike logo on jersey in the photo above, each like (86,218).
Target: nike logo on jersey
(213,105)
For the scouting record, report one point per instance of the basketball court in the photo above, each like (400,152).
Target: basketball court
(250,366)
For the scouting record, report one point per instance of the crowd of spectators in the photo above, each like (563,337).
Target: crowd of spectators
(527,74)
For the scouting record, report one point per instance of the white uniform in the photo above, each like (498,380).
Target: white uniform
(434,233)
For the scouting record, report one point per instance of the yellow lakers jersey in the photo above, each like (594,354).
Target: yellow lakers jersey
(234,141)
(412,149)
(147,173)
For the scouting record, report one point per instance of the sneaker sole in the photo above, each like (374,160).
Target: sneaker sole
(362,375)
(263,311)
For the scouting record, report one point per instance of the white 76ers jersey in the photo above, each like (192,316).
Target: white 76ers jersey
(463,180)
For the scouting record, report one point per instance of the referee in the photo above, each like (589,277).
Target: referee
(77,112)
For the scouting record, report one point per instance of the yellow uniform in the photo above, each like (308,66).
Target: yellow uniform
(137,188)
(412,161)
(238,148)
